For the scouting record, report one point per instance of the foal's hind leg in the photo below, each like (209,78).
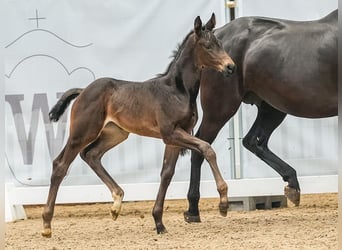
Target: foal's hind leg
(168,169)
(110,136)
(60,168)
(268,119)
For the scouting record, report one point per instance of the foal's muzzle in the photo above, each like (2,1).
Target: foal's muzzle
(229,69)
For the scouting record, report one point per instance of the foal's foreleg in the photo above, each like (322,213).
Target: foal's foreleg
(170,158)
(181,138)
(110,136)
(206,132)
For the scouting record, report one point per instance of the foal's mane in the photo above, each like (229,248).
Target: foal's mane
(175,54)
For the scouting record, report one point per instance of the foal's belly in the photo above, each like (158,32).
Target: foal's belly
(134,124)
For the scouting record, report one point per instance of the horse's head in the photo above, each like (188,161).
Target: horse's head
(208,49)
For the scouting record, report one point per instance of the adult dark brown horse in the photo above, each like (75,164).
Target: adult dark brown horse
(283,67)
(164,107)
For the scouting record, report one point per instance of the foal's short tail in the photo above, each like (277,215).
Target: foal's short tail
(63,103)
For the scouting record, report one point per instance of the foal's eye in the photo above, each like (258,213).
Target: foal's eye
(208,46)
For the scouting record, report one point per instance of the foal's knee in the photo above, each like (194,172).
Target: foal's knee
(208,152)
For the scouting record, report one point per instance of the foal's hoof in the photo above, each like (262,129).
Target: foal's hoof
(223,207)
(161,229)
(293,195)
(46,233)
(114,214)
(188,217)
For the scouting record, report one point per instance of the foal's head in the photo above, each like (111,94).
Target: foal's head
(208,49)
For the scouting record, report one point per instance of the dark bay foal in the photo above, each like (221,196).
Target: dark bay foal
(164,107)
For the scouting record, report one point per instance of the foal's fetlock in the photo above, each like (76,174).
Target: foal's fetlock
(223,208)
(47,215)
(222,189)
(116,208)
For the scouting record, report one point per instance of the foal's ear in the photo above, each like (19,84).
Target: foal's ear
(198,26)
(210,25)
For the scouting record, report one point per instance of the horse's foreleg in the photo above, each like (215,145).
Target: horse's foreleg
(256,141)
(110,136)
(170,158)
(182,139)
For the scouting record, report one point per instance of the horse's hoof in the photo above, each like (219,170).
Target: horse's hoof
(46,233)
(223,207)
(293,195)
(114,214)
(191,218)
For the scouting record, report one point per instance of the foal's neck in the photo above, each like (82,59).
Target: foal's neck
(184,73)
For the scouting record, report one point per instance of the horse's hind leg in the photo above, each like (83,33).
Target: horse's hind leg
(168,169)
(256,141)
(110,136)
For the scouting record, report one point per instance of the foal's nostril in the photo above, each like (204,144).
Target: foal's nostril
(232,67)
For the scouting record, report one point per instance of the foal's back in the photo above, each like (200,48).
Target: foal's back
(136,107)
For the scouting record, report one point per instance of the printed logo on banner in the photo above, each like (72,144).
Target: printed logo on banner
(35,61)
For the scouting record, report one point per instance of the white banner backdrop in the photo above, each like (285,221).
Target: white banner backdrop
(51,46)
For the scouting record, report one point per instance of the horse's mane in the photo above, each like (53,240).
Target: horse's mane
(175,54)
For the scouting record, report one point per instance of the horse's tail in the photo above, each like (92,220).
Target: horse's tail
(63,103)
